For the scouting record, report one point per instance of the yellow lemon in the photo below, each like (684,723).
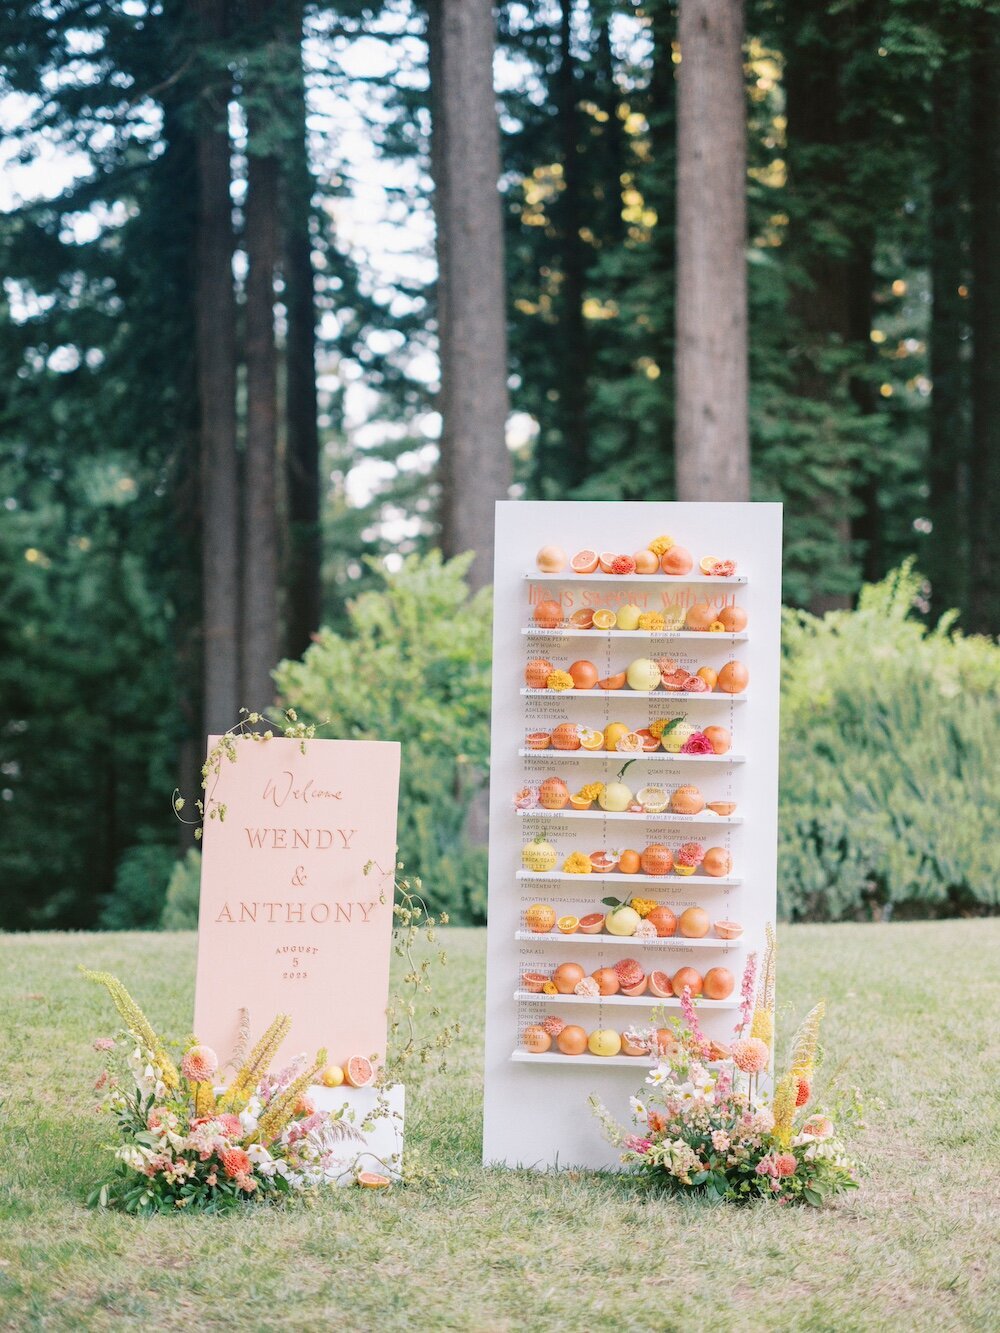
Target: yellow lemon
(605,1041)
(332,1076)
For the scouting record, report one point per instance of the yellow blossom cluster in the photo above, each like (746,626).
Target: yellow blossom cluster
(559,680)
(652,620)
(577,863)
(590,791)
(660,544)
(642,905)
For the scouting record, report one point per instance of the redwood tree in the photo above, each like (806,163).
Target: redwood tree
(475,468)
(260,649)
(711,437)
(216,356)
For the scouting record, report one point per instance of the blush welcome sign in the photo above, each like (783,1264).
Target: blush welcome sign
(290,922)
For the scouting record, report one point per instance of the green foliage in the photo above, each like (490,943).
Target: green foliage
(141,880)
(415,665)
(180,909)
(889,781)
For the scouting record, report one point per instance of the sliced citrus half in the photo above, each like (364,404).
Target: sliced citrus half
(569,925)
(707,563)
(371,1180)
(605,619)
(591,739)
(584,562)
(654,800)
(607,559)
(580,802)
(359,1071)
(630,743)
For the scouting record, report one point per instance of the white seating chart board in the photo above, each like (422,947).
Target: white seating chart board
(536,1111)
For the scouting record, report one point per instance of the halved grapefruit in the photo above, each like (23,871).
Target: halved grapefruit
(359,1071)
(584,562)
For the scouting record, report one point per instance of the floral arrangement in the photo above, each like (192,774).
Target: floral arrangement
(189,1142)
(704,1124)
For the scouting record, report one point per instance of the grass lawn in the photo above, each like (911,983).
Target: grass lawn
(912,1007)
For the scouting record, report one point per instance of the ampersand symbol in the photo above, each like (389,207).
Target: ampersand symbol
(300,876)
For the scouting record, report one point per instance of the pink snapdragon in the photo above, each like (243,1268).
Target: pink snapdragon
(699,1043)
(747,993)
(636,1144)
(104,1043)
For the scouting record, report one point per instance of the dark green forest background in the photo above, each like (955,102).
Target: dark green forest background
(874,280)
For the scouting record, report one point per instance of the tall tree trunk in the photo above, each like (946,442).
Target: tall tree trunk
(475,467)
(711,440)
(216,349)
(303,485)
(573,351)
(947,560)
(830,302)
(260,511)
(984,509)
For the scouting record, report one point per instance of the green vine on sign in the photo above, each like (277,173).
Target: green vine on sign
(225,748)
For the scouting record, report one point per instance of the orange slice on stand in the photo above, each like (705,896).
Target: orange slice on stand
(359,1071)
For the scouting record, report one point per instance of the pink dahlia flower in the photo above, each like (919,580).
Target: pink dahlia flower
(785,1164)
(803,1092)
(750,1054)
(199,1064)
(235,1162)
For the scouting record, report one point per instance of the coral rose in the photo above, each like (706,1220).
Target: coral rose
(751,1055)
(199,1064)
(785,1164)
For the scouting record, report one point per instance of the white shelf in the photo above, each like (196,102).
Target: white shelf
(572,632)
(623,1001)
(616,877)
(638,1062)
(658,756)
(706,818)
(568,576)
(625,941)
(556,1057)
(702,696)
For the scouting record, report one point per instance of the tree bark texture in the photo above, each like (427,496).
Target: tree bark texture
(475,466)
(711,437)
(216,352)
(984,490)
(573,351)
(302,472)
(260,636)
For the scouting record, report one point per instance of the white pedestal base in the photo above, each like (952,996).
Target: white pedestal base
(382,1150)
